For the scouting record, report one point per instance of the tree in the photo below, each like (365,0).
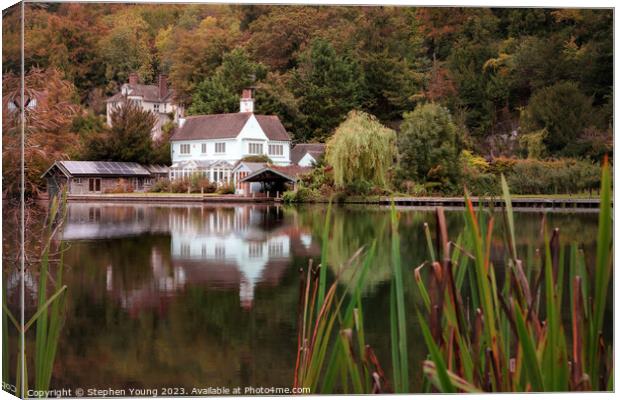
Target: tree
(361,150)
(126,48)
(192,53)
(328,86)
(429,146)
(128,139)
(564,111)
(220,92)
(48,134)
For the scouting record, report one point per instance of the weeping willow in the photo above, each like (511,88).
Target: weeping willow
(361,149)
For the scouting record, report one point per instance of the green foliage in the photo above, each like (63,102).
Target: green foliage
(301,195)
(552,177)
(533,144)
(226,189)
(264,158)
(429,146)
(563,110)
(128,139)
(329,85)
(161,186)
(220,92)
(361,149)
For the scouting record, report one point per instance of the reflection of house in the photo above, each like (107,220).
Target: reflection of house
(210,145)
(96,221)
(210,247)
(84,177)
(157,99)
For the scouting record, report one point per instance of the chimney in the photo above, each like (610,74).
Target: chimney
(133,78)
(247,102)
(163,86)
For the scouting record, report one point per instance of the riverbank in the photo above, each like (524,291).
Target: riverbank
(554,202)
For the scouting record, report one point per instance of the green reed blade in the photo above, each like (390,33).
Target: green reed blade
(509,217)
(400,302)
(324,247)
(445,384)
(530,359)
(602,271)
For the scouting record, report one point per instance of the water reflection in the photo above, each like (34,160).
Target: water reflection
(211,247)
(201,295)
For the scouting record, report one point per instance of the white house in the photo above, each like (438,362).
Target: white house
(213,145)
(158,99)
(307,154)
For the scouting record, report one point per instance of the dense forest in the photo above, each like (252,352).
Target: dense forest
(515,81)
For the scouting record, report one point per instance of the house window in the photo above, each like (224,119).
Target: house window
(204,148)
(156,107)
(256,148)
(276,149)
(220,147)
(77,181)
(185,149)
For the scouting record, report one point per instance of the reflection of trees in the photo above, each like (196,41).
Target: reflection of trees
(204,338)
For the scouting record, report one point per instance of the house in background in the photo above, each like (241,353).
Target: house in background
(307,154)
(93,177)
(212,145)
(159,99)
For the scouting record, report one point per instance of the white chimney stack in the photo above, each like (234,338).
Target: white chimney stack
(247,102)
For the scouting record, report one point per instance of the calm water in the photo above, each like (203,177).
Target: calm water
(204,295)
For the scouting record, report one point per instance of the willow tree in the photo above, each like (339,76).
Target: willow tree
(361,149)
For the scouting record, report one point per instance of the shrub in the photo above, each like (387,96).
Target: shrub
(226,189)
(122,186)
(179,186)
(199,184)
(301,195)
(553,176)
(161,186)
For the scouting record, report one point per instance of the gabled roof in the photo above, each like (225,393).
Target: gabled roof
(99,168)
(289,173)
(227,126)
(298,152)
(147,92)
(252,166)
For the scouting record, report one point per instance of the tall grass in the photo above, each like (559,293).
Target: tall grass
(511,336)
(483,332)
(48,317)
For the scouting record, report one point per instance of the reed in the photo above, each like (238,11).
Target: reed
(332,352)
(48,317)
(482,332)
(512,336)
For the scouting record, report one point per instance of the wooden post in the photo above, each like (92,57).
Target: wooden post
(277,194)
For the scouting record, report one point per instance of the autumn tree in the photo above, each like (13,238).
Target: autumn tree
(361,150)
(126,47)
(429,146)
(50,106)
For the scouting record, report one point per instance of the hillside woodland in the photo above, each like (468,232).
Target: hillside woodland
(527,87)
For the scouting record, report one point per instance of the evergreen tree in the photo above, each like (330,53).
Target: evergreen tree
(563,111)
(220,92)
(328,86)
(128,139)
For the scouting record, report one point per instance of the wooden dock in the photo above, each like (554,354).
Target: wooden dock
(518,202)
(168,198)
